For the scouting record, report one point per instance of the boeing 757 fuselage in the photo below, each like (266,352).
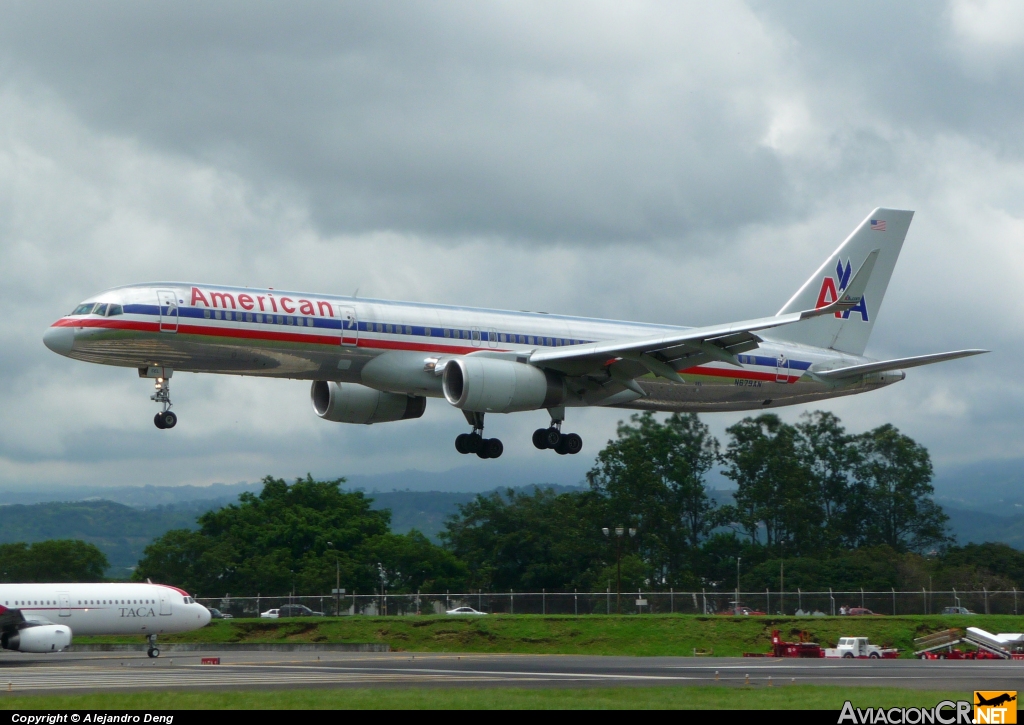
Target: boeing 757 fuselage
(374,361)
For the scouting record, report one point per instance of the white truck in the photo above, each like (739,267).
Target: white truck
(860,648)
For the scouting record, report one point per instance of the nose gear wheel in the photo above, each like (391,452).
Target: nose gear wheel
(165,419)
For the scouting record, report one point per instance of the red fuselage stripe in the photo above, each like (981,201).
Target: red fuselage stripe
(368,343)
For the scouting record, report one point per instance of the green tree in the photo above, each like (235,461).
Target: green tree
(54,560)
(293,537)
(653,476)
(775,493)
(895,473)
(831,455)
(529,541)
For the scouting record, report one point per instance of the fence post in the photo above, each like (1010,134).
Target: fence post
(447,603)
(257,604)
(671,600)
(985,589)
(543,600)
(608,599)
(1015,600)
(862,597)
(576,601)
(832,601)
(800,598)
(767,601)
(924,599)
(893,601)
(704,595)
(511,603)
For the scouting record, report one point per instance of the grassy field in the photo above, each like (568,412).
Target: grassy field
(798,697)
(651,635)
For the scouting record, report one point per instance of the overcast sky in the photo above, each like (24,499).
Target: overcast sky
(666,162)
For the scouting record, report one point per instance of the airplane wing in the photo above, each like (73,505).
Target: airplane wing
(664,354)
(10,619)
(898,364)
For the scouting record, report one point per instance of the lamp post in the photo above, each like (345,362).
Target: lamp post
(736,610)
(337,580)
(619,533)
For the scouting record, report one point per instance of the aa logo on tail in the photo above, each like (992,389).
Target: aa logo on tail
(831,287)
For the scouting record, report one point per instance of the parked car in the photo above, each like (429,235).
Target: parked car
(297,610)
(217,614)
(271,614)
(956,610)
(860,611)
(741,611)
(464,610)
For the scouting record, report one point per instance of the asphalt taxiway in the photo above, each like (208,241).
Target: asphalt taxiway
(90,671)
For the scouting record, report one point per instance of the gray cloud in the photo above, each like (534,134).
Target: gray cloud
(668,163)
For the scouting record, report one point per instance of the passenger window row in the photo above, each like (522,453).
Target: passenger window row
(476,335)
(258,317)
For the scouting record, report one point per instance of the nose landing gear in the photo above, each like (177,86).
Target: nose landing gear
(553,438)
(153,650)
(165,418)
(475,442)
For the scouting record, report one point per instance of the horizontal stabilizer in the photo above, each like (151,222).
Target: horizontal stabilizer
(899,364)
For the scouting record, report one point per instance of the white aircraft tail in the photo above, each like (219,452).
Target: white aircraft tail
(884,230)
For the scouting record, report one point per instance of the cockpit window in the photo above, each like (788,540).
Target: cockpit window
(84,309)
(101,310)
(115,310)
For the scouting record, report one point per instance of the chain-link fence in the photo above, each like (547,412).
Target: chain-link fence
(818,603)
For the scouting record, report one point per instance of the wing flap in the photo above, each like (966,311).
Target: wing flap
(717,342)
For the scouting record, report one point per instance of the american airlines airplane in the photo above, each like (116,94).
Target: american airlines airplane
(374,361)
(42,617)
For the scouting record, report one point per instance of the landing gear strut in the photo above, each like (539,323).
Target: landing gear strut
(475,442)
(165,418)
(153,651)
(553,438)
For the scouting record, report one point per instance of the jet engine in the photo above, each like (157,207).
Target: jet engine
(352,403)
(489,385)
(40,638)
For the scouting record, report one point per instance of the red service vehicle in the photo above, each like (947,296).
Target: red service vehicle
(802,648)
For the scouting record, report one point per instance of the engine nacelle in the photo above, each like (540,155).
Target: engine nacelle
(489,385)
(41,638)
(352,403)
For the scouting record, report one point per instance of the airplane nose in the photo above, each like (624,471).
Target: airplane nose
(204,615)
(59,339)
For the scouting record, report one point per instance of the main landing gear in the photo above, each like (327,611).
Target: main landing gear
(475,442)
(153,650)
(165,418)
(553,438)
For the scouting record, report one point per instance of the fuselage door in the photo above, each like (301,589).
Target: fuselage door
(492,337)
(349,326)
(165,602)
(476,336)
(168,302)
(782,369)
(65,604)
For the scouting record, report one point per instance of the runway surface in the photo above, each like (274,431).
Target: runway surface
(84,672)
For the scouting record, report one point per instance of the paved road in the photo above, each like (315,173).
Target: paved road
(70,672)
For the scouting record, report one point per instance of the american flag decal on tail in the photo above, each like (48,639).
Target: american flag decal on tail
(878,225)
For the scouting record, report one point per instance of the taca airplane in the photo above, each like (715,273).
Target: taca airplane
(43,617)
(373,361)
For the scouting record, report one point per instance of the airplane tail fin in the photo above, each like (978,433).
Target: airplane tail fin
(883,230)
